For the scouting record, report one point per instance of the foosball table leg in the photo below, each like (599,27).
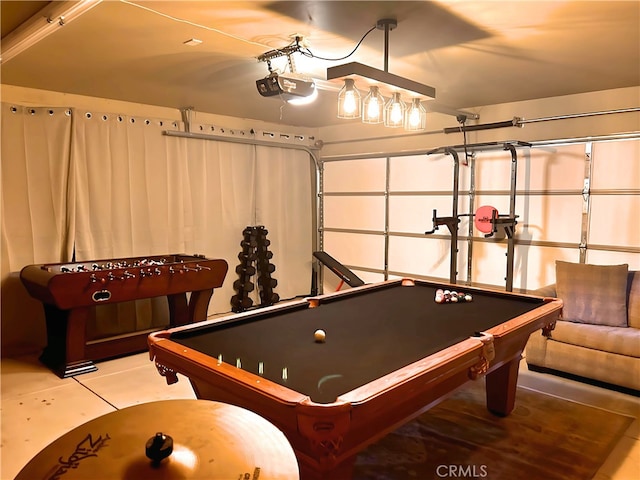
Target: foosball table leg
(65,350)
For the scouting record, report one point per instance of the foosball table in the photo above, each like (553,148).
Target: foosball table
(69,291)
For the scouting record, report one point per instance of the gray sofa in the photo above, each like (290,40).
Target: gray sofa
(592,340)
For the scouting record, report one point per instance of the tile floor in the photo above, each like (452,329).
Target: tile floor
(37,407)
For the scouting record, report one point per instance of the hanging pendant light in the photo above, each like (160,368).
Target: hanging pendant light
(373,106)
(349,100)
(416,118)
(394,112)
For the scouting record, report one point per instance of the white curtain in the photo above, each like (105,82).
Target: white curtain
(36,212)
(130,180)
(237,185)
(109,186)
(221,199)
(284,205)
(129,202)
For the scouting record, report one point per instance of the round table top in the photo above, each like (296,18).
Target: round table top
(211,441)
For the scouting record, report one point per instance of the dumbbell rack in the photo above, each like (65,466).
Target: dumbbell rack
(254,258)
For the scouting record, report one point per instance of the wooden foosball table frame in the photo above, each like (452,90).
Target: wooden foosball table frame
(69,291)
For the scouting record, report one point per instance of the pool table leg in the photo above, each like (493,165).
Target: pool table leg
(501,387)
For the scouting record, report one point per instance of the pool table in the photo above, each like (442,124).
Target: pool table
(390,353)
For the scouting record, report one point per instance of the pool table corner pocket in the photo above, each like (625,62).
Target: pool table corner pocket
(486,356)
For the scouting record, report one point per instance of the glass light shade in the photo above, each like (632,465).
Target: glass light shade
(416,118)
(349,105)
(373,106)
(394,111)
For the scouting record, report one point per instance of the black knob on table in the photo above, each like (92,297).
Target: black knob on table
(159,447)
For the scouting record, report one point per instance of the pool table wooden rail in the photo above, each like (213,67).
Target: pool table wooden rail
(327,437)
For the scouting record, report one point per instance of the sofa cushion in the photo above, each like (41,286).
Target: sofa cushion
(595,294)
(633,308)
(622,341)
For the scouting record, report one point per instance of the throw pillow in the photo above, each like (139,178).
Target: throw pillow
(594,294)
(634,300)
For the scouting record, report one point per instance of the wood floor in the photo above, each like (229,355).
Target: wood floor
(38,407)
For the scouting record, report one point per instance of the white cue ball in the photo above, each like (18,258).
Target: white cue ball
(319,335)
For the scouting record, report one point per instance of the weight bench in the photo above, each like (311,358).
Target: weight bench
(345,275)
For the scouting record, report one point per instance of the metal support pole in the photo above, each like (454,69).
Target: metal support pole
(386,24)
(387,216)
(453,221)
(318,271)
(472,203)
(186,118)
(512,215)
(453,269)
(386,48)
(586,202)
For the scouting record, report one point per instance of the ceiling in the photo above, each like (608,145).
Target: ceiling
(473,52)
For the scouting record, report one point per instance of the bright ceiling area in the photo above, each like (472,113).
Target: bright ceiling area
(473,53)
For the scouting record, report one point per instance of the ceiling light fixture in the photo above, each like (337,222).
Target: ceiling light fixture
(394,111)
(349,105)
(373,106)
(350,71)
(52,17)
(416,117)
